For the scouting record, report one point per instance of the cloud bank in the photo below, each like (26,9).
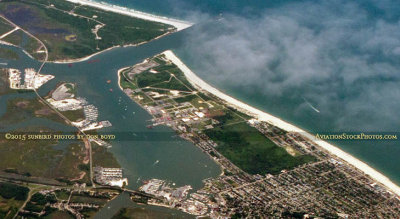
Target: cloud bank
(341,56)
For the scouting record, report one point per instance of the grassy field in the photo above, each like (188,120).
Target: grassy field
(9,54)
(5,27)
(168,77)
(71,32)
(102,157)
(62,194)
(59,215)
(39,157)
(246,147)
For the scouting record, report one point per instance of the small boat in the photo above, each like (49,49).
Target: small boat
(149,126)
(111,90)
(108,81)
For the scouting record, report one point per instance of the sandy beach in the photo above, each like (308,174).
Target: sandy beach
(119,77)
(263,116)
(180,25)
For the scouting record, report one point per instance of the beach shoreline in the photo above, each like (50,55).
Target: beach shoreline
(178,24)
(119,77)
(263,116)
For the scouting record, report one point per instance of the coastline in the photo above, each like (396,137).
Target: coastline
(119,77)
(178,24)
(203,86)
(69,61)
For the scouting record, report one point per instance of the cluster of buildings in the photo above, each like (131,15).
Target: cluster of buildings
(173,197)
(63,99)
(327,187)
(32,80)
(110,176)
(69,104)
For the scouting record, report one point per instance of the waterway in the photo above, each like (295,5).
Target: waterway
(143,153)
(180,161)
(357,96)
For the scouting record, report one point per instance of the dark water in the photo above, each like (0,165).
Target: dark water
(124,201)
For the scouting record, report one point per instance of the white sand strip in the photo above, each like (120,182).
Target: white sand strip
(202,85)
(180,25)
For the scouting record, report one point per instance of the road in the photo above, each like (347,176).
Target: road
(43,100)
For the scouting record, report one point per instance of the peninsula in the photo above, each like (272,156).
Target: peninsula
(268,164)
(75,30)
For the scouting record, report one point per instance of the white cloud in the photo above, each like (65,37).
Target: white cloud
(347,59)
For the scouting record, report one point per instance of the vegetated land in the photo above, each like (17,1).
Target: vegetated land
(137,213)
(6,53)
(5,27)
(168,77)
(38,202)
(72,31)
(39,158)
(104,158)
(56,214)
(82,198)
(246,147)
(4,83)
(21,109)
(162,88)
(11,199)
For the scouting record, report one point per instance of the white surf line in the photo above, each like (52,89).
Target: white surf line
(8,33)
(202,85)
(180,25)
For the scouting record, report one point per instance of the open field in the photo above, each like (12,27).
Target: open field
(246,147)
(102,157)
(6,53)
(59,215)
(39,158)
(71,31)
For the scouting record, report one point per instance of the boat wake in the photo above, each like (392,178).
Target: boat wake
(155,163)
(310,105)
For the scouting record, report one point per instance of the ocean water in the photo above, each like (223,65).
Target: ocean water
(344,56)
